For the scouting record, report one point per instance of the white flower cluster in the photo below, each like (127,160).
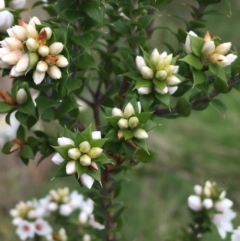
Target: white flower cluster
(212,53)
(6,17)
(159,68)
(26,48)
(207,198)
(129,121)
(30,217)
(84,153)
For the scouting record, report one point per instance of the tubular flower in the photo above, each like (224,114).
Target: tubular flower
(211,52)
(209,197)
(159,71)
(25,40)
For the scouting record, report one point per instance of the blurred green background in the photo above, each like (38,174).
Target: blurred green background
(204,146)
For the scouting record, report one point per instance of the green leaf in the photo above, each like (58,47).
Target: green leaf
(28,108)
(96,174)
(145,20)
(84,40)
(80,169)
(68,103)
(128,149)
(72,15)
(133,75)
(63,4)
(69,134)
(87,133)
(121,27)
(79,139)
(141,143)
(113,120)
(196,44)
(32,62)
(145,157)
(192,60)
(183,107)
(140,82)
(147,101)
(218,71)
(221,85)
(164,99)
(61,171)
(95,11)
(127,134)
(86,61)
(103,159)
(6,147)
(27,152)
(63,151)
(5,107)
(220,106)
(160,84)
(144,116)
(149,125)
(198,77)
(97,142)
(43,103)
(21,132)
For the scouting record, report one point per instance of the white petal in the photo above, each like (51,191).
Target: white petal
(223,48)
(208,48)
(65,210)
(172,89)
(144,90)
(71,167)
(38,77)
(87,180)
(62,141)
(96,134)
(195,203)
(57,159)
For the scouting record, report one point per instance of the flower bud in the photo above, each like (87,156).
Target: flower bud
(54,72)
(84,147)
(219,59)
(168,60)
(31,31)
(38,77)
(140,62)
(48,31)
(56,48)
(188,47)
(21,96)
(223,48)
(120,135)
(74,153)
(12,57)
(86,180)
(19,32)
(94,165)
(32,44)
(154,57)
(83,217)
(43,50)
(71,167)
(6,20)
(133,122)
(207,191)
(23,63)
(146,72)
(52,206)
(123,123)
(85,160)
(95,152)
(96,135)
(207,37)
(139,107)
(195,203)
(34,21)
(15,73)
(208,48)
(198,190)
(172,89)
(63,141)
(117,112)
(170,69)
(62,61)
(173,80)
(144,90)
(161,74)
(140,134)
(42,66)
(207,203)
(128,110)
(161,91)
(86,237)
(13,43)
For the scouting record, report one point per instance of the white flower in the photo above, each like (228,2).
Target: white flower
(144,90)
(207,203)
(117,112)
(84,147)
(236,235)
(147,73)
(222,221)
(85,160)
(86,237)
(95,224)
(21,96)
(76,200)
(6,20)
(56,48)
(71,167)
(25,230)
(74,153)
(42,227)
(195,203)
(140,62)
(223,205)
(123,123)
(95,152)
(128,111)
(65,209)
(140,134)
(83,217)
(54,72)
(87,180)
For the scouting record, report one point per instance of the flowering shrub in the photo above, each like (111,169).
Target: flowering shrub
(98,52)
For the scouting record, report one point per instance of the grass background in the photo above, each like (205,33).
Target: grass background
(204,146)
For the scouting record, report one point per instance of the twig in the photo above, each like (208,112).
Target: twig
(108,90)
(86,101)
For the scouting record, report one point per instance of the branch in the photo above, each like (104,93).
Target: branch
(195,103)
